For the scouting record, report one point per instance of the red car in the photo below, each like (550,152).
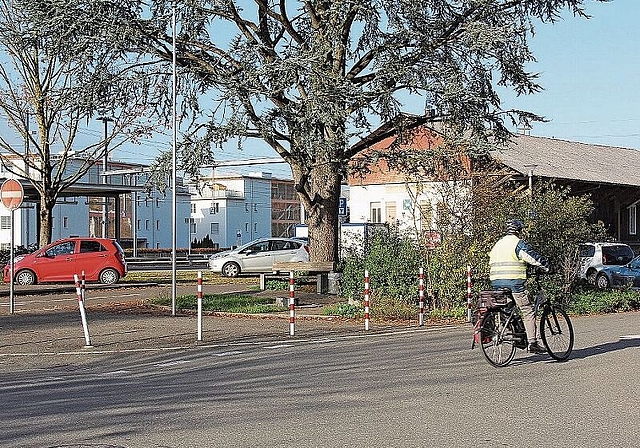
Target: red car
(101,260)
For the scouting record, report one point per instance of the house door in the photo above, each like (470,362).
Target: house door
(391,213)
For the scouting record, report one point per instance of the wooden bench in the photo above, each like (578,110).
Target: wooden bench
(320,269)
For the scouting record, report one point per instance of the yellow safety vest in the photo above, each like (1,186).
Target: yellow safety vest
(503,261)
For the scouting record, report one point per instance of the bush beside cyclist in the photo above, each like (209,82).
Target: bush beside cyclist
(508,261)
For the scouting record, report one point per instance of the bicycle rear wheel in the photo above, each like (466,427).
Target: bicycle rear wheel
(557,333)
(496,339)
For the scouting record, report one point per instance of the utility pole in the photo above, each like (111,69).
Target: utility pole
(174,163)
(105,163)
(27,160)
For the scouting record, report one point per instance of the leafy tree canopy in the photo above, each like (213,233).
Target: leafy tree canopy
(50,87)
(310,77)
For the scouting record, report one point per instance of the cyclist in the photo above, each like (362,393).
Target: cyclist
(508,261)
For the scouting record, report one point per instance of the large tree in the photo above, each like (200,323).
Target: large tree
(49,89)
(311,77)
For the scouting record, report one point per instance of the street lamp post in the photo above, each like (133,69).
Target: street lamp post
(174,163)
(105,163)
(531,168)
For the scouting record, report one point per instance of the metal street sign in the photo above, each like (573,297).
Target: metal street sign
(11,194)
(342,207)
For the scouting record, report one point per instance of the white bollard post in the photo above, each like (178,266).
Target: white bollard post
(292,304)
(366,299)
(83,314)
(421,297)
(199,305)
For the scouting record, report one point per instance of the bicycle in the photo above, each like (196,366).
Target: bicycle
(499,328)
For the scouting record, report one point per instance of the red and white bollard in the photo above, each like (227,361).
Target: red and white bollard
(421,297)
(199,305)
(292,304)
(83,314)
(83,285)
(366,299)
(468,293)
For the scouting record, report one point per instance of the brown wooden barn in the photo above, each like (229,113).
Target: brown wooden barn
(611,175)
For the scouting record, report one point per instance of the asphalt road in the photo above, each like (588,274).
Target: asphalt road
(398,387)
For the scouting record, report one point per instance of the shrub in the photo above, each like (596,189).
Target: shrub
(555,223)
(596,302)
(393,262)
(344,310)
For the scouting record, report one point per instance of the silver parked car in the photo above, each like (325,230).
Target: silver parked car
(594,256)
(258,256)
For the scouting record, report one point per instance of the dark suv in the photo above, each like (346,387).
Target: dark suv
(100,259)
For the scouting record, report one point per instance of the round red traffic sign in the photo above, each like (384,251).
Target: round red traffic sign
(11,194)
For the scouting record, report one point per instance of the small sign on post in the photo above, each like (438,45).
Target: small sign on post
(342,207)
(11,194)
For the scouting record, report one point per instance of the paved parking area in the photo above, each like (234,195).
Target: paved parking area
(118,323)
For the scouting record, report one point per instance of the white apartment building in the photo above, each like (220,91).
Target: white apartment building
(233,209)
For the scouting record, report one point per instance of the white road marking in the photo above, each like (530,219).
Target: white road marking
(172,363)
(235,352)
(272,347)
(631,336)
(116,372)
(323,341)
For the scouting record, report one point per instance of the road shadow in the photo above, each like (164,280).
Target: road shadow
(620,344)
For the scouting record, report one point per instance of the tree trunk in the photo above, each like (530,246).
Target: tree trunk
(322,219)
(46,219)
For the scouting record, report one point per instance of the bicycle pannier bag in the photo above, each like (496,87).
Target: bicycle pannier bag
(493,299)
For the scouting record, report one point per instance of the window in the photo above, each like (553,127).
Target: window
(375,212)
(284,245)
(65,222)
(61,249)
(215,208)
(215,227)
(157,224)
(632,220)
(587,250)
(91,246)
(262,246)
(193,208)
(146,224)
(5,222)
(246,226)
(193,226)
(138,225)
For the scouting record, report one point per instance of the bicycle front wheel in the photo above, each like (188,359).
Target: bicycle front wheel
(497,338)
(557,333)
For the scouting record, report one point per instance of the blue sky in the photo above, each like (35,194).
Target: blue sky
(590,70)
